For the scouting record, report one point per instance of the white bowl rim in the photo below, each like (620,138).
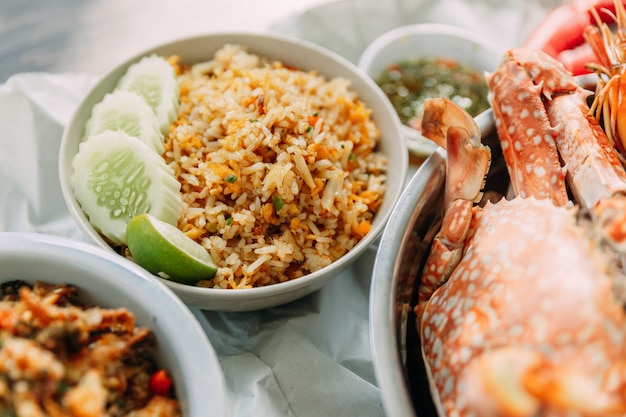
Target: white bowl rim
(274,290)
(446,29)
(200,354)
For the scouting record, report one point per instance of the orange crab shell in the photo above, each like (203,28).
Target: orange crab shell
(526,136)
(527,320)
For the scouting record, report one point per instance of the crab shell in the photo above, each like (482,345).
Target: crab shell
(527,324)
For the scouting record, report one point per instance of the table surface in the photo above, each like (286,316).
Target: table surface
(92,35)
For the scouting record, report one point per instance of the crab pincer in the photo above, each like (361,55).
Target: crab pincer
(469,160)
(527,138)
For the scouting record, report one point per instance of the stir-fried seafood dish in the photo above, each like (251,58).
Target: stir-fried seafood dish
(521,303)
(58,358)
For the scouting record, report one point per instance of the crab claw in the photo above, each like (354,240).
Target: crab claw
(525,133)
(543,70)
(452,128)
(594,171)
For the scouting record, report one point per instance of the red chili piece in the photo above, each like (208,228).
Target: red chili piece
(160,383)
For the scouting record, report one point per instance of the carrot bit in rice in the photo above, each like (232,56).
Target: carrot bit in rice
(279,154)
(363,228)
(195,233)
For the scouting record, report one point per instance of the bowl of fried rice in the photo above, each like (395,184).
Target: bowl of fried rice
(87,332)
(289,160)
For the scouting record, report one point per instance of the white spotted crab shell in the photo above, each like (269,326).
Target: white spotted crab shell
(527,324)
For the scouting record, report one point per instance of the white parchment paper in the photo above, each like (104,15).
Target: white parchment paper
(308,358)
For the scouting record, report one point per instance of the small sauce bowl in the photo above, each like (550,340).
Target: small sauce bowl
(428,41)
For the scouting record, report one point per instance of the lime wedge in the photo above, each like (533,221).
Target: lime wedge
(166,251)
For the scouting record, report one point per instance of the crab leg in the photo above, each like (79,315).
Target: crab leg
(445,253)
(467,166)
(594,171)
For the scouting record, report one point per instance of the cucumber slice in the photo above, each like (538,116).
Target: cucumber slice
(117,177)
(154,79)
(126,111)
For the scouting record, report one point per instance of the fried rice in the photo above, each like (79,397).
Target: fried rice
(279,168)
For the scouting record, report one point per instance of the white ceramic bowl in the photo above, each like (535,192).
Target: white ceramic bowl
(294,52)
(394,340)
(428,40)
(108,280)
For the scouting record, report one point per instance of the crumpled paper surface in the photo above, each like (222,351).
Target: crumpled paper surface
(310,357)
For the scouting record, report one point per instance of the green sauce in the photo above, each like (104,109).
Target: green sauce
(408,83)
